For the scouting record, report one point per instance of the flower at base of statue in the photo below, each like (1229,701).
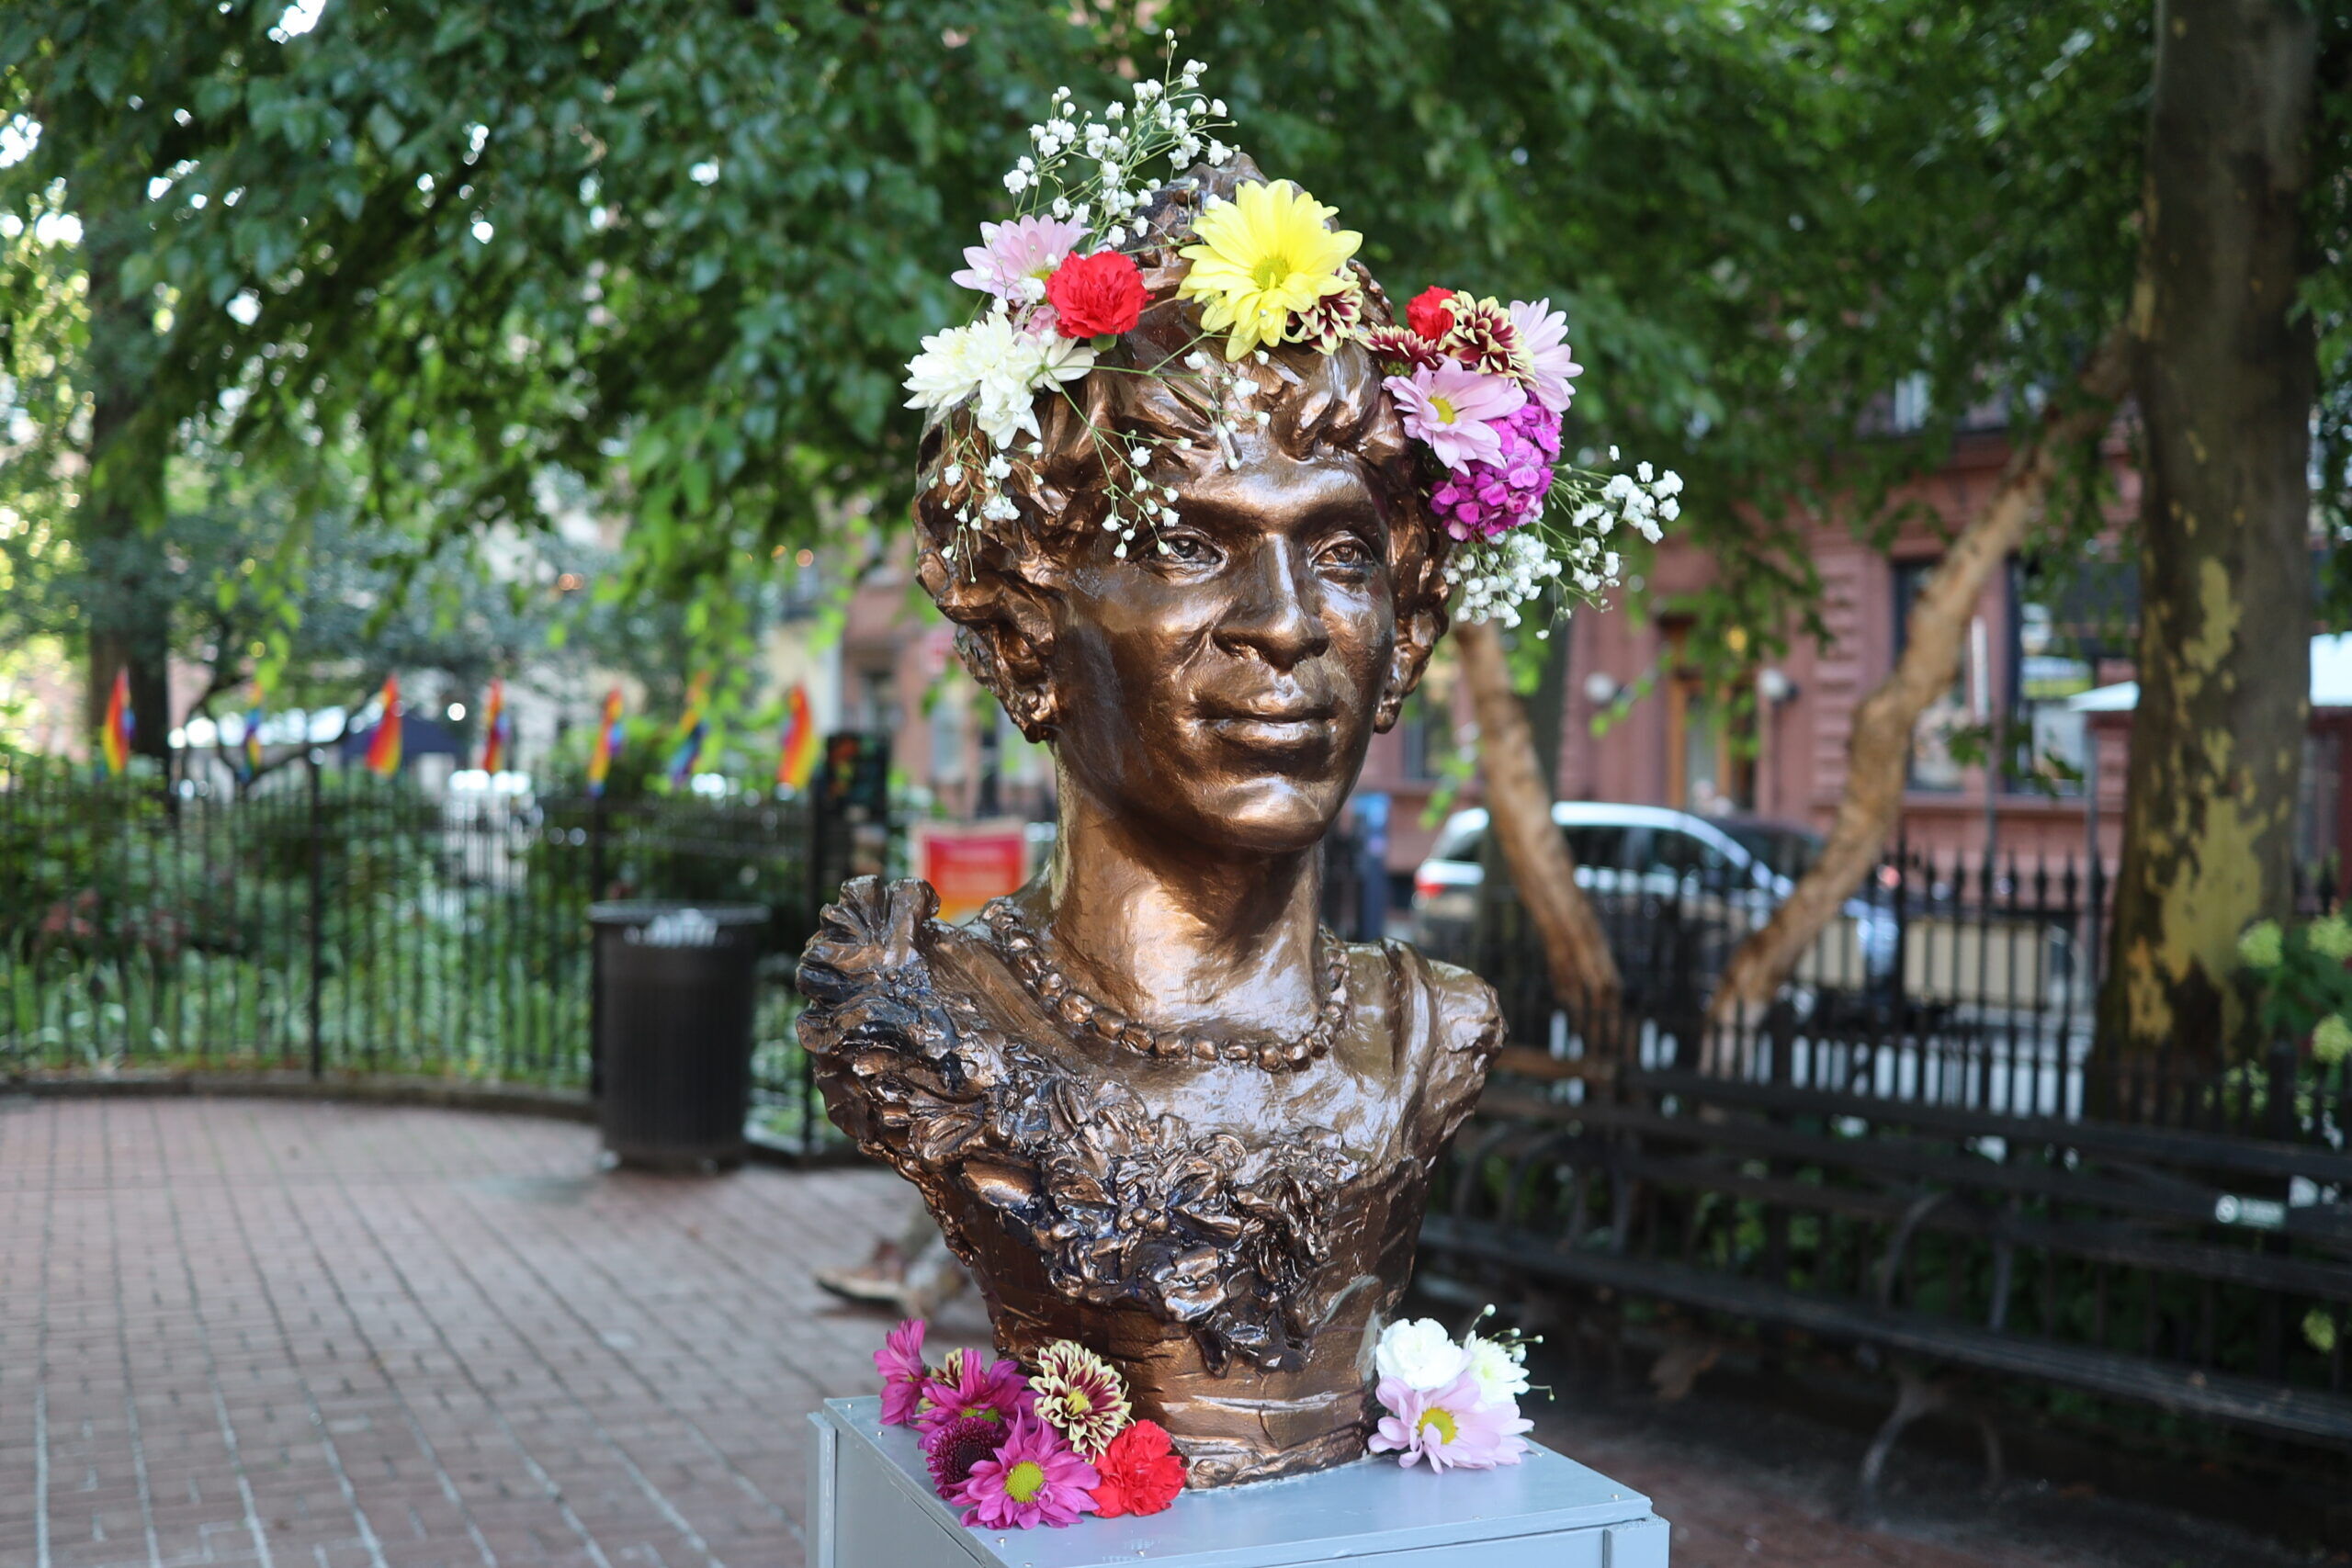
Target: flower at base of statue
(2332,1040)
(1095,294)
(1453,410)
(1141,1471)
(1454,1428)
(1264,258)
(1078,1394)
(1013,261)
(1033,1479)
(1499,1369)
(1428,313)
(1417,1353)
(903,1374)
(965,1387)
(1330,322)
(1484,499)
(1543,334)
(952,1449)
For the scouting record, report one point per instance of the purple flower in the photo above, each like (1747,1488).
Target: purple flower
(1014,259)
(1454,408)
(1452,1428)
(1034,1479)
(903,1374)
(1543,335)
(1485,498)
(952,1448)
(966,1388)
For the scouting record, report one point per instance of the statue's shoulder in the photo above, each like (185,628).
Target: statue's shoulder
(1459,1013)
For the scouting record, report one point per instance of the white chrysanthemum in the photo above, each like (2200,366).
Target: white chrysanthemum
(997,364)
(1499,1369)
(1420,1353)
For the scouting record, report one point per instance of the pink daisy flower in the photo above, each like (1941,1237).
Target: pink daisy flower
(1452,1428)
(1543,336)
(1456,409)
(964,1388)
(1013,260)
(903,1374)
(1034,1479)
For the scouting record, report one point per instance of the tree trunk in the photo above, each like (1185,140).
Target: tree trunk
(1883,723)
(128,609)
(1519,806)
(2224,368)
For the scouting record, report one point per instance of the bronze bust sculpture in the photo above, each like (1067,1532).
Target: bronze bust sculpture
(1153,1105)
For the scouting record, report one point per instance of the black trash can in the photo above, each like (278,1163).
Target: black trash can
(675,988)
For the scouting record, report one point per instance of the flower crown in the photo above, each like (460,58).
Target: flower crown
(1480,385)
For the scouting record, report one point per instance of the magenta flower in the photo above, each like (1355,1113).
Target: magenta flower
(1452,1428)
(967,1388)
(1453,409)
(952,1448)
(1014,259)
(903,1374)
(1034,1479)
(1543,336)
(1484,499)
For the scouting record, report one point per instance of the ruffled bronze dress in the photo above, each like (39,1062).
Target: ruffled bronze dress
(1231,1239)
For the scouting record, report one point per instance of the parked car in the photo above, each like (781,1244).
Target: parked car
(1675,892)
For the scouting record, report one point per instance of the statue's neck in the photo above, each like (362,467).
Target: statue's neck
(1174,937)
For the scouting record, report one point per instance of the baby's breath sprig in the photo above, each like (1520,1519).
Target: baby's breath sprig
(1094,172)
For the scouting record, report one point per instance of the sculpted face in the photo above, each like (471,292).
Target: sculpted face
(1223,693)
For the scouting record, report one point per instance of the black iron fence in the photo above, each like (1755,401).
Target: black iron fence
(1942,980)
(328,922)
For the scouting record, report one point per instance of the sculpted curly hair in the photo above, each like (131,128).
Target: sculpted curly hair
(996,586)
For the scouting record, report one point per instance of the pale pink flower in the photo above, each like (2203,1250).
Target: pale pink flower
(1456,409)
(1013,260)
(1454,1428)
(903,1374)
(1543,336)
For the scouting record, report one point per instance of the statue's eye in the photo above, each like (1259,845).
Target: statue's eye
(1187,550)
(1346,552)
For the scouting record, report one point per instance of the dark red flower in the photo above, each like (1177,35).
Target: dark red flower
(1141,1473)
(1094,294)
(1428,315)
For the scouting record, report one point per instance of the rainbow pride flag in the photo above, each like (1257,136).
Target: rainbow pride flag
(608,742)
(685,741)
(797,755)
(114,736)
(250,755)
(384,745)
(497,730)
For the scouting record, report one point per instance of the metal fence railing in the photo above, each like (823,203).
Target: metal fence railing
(328,922)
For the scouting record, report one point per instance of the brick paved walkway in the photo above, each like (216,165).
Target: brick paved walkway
(254,1332)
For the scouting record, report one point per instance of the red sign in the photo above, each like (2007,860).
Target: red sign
(969,863)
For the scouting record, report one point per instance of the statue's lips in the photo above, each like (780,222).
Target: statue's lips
(1274,727)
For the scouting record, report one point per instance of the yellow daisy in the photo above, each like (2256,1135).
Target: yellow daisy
(1264,258)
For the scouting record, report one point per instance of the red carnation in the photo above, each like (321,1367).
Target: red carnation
(1140,1473)
(1094,294)
(1428,315)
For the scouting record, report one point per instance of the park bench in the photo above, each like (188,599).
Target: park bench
(2199,1273)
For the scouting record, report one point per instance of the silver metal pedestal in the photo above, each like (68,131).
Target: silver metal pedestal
(874,1508)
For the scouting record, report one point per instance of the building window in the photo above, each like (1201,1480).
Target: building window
(1935,763)
(1710,751)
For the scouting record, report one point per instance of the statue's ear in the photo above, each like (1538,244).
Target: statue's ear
(1004,629)
(1417,634)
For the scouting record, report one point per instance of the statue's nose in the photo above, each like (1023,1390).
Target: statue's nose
(1276,613)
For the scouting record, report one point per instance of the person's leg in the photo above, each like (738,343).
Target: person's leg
(880,1281)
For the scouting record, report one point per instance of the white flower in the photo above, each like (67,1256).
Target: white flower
(1420,1353)
(1000,366)
(1218,151)
(954,474)
(1643,472)
(1669,483)
(1669,509)
(1216,108)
